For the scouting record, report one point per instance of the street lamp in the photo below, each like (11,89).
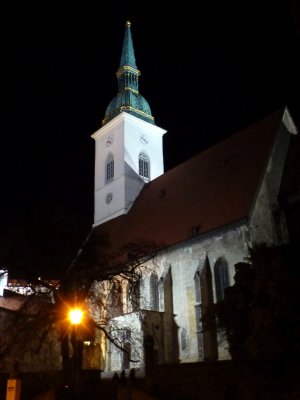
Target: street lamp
(75,317)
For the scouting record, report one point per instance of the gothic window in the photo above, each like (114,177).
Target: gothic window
(127,334)
(197,287)
(183,339)
(154,295)
(206,286)
(115,306)
(126,356)
(142,299)
(144,167)
(198,314)
(132,297)
(127,349)
(128,299)
(221,278)
(109,168)
(208,320)
(161,294)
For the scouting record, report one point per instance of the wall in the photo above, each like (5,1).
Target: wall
(184,261)
(263,227)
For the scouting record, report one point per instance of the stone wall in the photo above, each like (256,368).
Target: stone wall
(263,226)
(185,261)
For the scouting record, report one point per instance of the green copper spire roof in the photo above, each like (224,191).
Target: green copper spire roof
(128,58)
(128,98)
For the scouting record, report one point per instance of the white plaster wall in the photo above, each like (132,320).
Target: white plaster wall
(125,133)
(134,129)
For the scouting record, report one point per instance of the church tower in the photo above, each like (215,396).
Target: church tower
(129,150)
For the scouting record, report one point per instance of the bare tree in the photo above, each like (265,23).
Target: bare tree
(106,286)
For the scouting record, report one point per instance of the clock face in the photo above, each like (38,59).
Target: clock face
(108,197)
(144,139)
(109,141)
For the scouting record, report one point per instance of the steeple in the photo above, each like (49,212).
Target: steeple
(128,58)
(129,146)
(128,98)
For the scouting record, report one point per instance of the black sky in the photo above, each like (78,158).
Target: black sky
(204,76)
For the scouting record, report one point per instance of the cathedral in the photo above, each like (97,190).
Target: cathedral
(204,215)
(200,217)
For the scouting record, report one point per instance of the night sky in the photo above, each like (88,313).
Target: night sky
(205,77)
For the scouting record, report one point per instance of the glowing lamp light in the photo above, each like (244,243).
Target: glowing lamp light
(75,316)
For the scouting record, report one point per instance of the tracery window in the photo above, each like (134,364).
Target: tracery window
(221,278)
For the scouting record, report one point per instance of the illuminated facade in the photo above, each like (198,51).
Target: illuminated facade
(206,212)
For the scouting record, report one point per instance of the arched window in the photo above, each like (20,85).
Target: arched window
(183,339)
(154,296)
(161,288)
(210,345)
(133,297)
(109,168)
(127,349)
(114,303)
(198,315)
(197,287)
(221,278)
(144,167)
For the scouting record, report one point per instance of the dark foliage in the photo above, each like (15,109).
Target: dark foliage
(260,312)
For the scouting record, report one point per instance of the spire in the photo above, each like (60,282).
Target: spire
(128,98)
(128,58)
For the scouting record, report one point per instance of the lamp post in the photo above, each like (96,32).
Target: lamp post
(75,318)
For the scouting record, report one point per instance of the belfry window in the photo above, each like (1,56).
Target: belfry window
(109,168)
(221,278)
(144,167)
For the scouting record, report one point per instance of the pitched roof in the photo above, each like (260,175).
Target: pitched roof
(214,189)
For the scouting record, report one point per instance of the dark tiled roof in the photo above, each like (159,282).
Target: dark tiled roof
(210,191)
